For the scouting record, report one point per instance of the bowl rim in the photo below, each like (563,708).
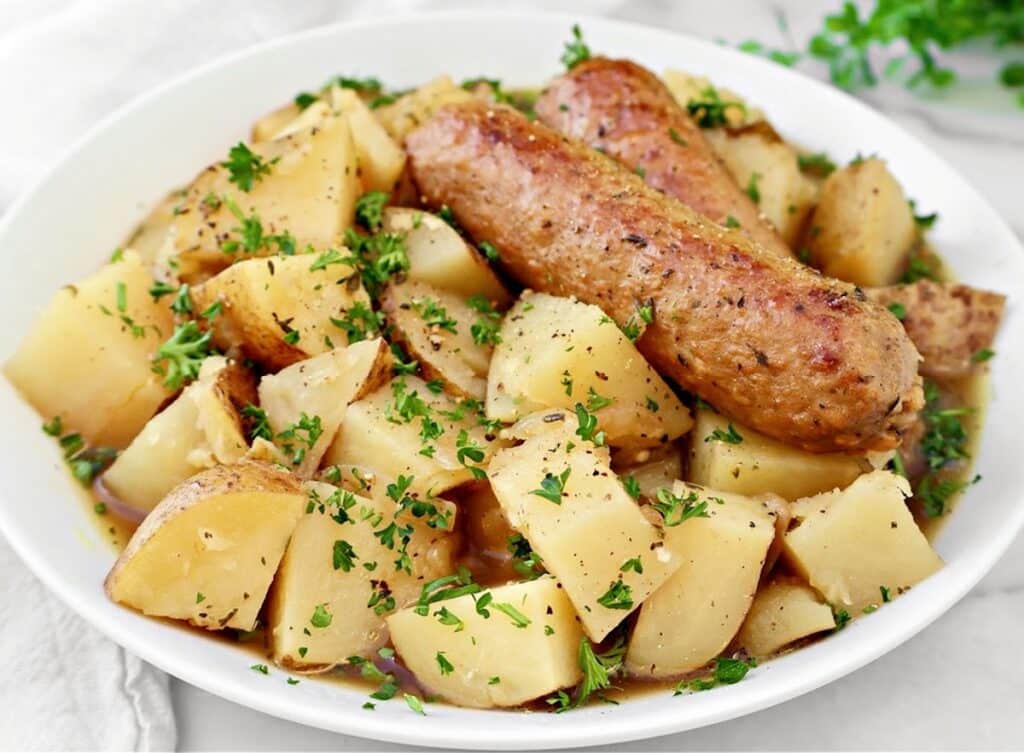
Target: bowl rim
(601,727)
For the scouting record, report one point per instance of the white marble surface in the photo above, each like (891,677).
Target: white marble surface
(959,685)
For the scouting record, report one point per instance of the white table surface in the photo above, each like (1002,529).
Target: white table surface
(960,684)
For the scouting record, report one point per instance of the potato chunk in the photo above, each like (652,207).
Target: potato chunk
(583,524)
(321,388)
(279,310)
(419,105)
(208,552)
(200,429)
(686,86)
(494,660)
(556,352)
(863,229)
(308,191)
(849,544)
(758,464)
(439,256)
(381,160)
(783,611)
(435,327)
(88,356)
(391,433)
(689,620)
(760,161)
(326,571)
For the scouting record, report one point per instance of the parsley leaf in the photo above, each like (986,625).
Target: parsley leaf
(552,487)
(245,166)
(576,50)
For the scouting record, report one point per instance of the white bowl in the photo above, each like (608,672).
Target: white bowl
(69,223)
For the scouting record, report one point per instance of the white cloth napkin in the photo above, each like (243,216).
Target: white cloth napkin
(66,64)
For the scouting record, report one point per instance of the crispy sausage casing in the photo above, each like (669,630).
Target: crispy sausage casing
(626,111)
(797,356)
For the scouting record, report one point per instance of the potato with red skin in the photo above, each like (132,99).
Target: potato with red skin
(626,111)
(799,357)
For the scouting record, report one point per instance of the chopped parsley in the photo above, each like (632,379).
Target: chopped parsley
(245,167)
(485,330)
(343,556)
(180,358)
(618,596)
(321,616)
(553,487)
(898,310)
(576,50)
(259,423)
(300,437)
(414,703)
(360,322)
(588,427)
(752,190)
(729,436)
(370,209)
(817,164)
(445,666)
(434,315)
(632,487)
(982,355)
(710,110)
(676,508)
(519,619)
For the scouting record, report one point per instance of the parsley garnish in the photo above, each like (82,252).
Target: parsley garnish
(485,328)
(982,355)
(370,209)
(711,110)
(730,436)
(676,508)
(259,423)
(414,702)
(632,487)
(467,452)
(245,166)
(344,556)
(817,164)
(618,596)
(519,619)
(588,427)
(321,616)
(359,323)
(306,431)
(898,310)
(443,664)
(183,355)
(752,190)
(576,50)
(552,487)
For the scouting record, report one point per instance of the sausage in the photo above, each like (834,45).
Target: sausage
(624,110)
(948,323)
(803,358)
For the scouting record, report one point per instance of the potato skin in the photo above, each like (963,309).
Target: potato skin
(799,357)
(626,111)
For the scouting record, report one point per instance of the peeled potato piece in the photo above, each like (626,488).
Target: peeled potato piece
(439,256)
(375,437)
(419,105)
(87,358)
(862,230)
(445,350)
(493,660)
(308,191)
(381,160)
(201,428)
(783,611)
(759,160)
(556,352)
(321,388)
(208,552)
(690,619)
(327,569)
(851,544)
(279,310)
(588,533)
(756,464)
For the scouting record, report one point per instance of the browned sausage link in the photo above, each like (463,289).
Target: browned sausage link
(800,357)
(624,110)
